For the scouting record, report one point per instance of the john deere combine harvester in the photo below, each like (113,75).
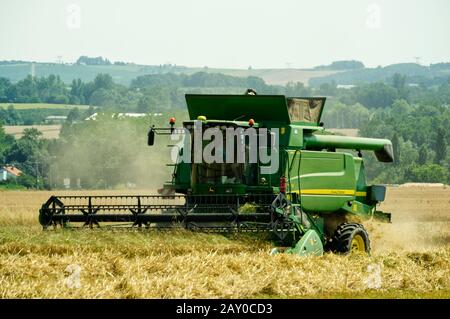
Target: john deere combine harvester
(311,197)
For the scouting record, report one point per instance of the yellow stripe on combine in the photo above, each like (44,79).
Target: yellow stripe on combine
(350,192)
(361,194)
(327,192)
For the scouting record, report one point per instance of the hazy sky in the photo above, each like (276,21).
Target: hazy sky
(227,33)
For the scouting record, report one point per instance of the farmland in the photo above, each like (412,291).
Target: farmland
(412,256)
(124,74)
(29,106)
(48,131)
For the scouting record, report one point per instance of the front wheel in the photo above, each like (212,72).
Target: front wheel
(351,238)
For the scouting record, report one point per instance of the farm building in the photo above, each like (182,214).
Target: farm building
(55,119)
(8,172)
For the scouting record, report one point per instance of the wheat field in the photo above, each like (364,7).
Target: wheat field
(48,131)
(410,258)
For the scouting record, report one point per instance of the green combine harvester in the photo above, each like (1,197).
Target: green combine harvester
(304,186)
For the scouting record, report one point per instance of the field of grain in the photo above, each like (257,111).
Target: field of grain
(410,258)
(48,131)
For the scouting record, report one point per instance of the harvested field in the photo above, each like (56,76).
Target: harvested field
(411,258)
(48,131)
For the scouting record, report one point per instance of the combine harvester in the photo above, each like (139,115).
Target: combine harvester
(304,187)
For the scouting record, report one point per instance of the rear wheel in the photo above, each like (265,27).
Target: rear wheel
(351,238)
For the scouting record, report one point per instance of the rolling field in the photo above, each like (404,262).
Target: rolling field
(271,76)
(48,131)
(410,258)
(124,74)
(28,106)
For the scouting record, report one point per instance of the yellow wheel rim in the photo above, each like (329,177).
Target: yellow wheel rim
(357,244)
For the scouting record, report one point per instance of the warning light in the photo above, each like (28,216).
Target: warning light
(283,184)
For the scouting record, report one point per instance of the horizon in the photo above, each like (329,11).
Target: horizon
(227,35)
(225,68)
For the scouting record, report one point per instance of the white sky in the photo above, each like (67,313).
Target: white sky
(227,33)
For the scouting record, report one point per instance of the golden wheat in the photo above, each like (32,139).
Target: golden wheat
(411,258)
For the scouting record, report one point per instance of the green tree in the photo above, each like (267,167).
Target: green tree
(5,86)
(423,155)
(399,83)
(26,151)
(6,141)
(342,65)
(73,115)
(103,81)
(146,104)
(440,146)
(428,173)
(27,91)
(396,147)
(328,89)
(297,89)
(77,92)
(375,95)
(12,116)
(93,60)
(103,97)
(26,180)
(51,89)
(400,108)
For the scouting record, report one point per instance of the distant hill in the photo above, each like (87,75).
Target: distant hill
(342,65)
(270,76)
(123,73)
(341,72)
(413,72)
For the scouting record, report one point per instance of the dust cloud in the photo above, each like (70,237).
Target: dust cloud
(111,154)
(420,219)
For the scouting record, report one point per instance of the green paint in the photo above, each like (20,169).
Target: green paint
(309,244)
(238,107)
(322,177)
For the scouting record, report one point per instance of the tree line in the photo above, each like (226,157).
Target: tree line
(103,153)
(420,135)
(146,94)
(416,119)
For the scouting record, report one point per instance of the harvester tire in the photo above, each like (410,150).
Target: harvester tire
(350,238)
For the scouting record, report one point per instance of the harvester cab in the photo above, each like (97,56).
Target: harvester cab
(253,163)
